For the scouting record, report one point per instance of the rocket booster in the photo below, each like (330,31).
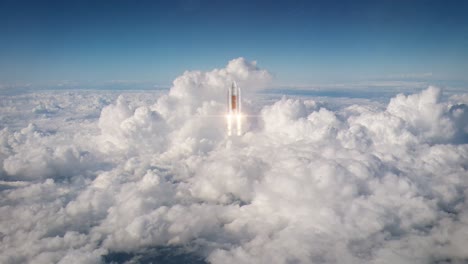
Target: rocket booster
(234,99)
(234,109)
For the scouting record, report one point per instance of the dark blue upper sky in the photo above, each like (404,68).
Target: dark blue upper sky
(301,42)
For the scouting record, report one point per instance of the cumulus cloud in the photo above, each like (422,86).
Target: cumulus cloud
(103,177)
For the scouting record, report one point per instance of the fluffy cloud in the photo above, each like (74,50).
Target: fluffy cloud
(105,177)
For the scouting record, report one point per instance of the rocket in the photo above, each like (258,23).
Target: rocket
(234,109)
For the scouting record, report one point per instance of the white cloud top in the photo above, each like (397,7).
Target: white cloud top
(97,173)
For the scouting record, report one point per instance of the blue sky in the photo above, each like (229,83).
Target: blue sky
(300,42)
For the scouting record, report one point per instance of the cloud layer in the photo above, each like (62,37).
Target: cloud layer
(88,175)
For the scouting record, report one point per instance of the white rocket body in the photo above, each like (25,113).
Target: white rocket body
(234,109)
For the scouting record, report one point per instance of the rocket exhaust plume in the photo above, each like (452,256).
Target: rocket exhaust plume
(234,109)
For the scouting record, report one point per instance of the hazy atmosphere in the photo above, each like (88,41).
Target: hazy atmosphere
(115,141)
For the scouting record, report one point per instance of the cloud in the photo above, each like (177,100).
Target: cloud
(93,176)
(422,75)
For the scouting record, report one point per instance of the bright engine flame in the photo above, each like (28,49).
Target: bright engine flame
(234,118)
